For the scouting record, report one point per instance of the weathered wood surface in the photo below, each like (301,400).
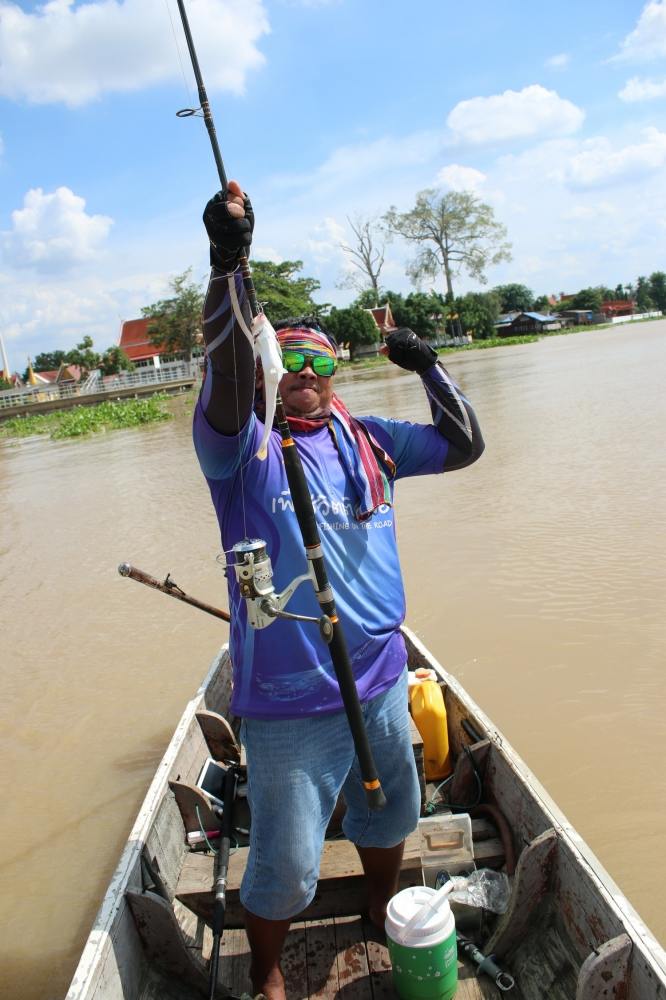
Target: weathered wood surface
(189,799)
(344,958)
(340,890)
(605,973)
(532,881)
(219,736)
(164,943)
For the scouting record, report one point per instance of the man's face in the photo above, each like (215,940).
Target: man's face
(305,394)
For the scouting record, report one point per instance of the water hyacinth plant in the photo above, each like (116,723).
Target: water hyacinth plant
(84,420)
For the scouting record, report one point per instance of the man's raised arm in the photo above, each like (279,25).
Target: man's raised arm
(227,393)
(452,413)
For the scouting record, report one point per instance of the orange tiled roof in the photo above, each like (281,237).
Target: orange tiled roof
(135,341)
(383,317)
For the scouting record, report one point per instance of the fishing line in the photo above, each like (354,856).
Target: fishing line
(240,447)
(187,86)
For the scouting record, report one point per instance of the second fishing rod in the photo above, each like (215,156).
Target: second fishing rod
(330,625)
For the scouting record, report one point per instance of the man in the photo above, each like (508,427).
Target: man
(299,748)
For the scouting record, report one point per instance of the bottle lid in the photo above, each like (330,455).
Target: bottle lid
(418,916)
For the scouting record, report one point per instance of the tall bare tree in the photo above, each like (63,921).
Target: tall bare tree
(453,232)
(366,256)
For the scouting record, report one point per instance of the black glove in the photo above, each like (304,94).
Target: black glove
(227,235)
(408,351)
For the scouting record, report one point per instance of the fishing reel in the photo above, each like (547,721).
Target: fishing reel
(254,573)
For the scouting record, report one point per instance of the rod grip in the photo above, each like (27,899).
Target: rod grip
(376,798)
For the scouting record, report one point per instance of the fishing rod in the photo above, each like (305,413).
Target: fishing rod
(302,504)
(221,870)
(171,589)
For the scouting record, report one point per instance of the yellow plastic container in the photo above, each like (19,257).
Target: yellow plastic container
(429,713)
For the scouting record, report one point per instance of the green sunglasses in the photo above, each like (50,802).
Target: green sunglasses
(321,364)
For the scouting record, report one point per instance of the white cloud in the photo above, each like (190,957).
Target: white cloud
(75,53)
(598,164)
(353,167)
(459,178)
(642,90)
(648,39)
(559,61)
(589,212)
(527,113)
(324,243)
(53,232)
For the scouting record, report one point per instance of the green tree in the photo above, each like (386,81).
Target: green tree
(453,232)
(542,304)
(423,313)
(366,299)
(658,289)
(353,327)
(5,383)
(115,360)
(514,298)
(478,312)
(48,361)
(281,293)
(84,356)
(644,302)
(587,298)
(176,320)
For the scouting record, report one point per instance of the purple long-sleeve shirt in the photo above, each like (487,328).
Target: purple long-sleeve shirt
(285,670)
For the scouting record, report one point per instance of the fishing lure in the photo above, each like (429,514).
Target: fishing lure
(267,349)
(263,339)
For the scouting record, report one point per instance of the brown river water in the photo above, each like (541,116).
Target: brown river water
(537,577)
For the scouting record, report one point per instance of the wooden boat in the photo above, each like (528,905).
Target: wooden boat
(568,931)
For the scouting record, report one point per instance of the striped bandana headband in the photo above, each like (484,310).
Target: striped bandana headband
(307,341)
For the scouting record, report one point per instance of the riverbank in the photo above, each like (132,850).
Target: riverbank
(482,345)
(82,421)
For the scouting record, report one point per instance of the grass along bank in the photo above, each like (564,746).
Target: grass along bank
(84,420)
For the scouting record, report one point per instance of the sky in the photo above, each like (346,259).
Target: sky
(325,111)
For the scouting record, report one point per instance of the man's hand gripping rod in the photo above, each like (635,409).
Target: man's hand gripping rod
(302,502)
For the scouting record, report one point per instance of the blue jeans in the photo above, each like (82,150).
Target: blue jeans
(296,771)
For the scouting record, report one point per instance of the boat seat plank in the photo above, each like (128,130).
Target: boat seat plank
(340,890)
(189,798)
(531,882)
(219,736)
(164,942)
(604,974)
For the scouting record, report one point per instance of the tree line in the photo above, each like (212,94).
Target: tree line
(85,357)
(450,233)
